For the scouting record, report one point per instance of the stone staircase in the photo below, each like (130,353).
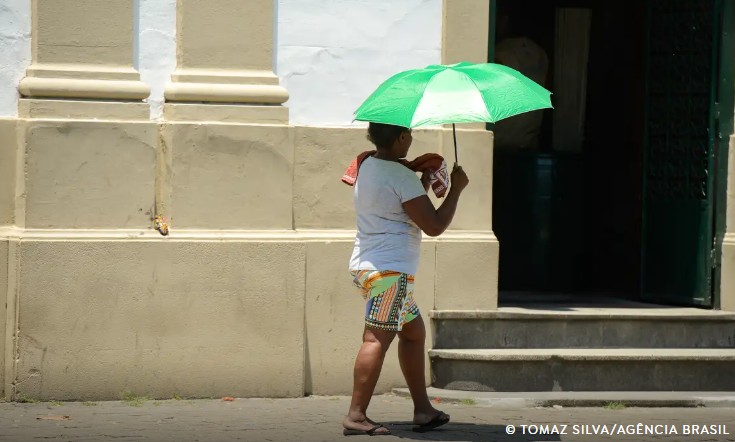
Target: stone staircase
(584,349)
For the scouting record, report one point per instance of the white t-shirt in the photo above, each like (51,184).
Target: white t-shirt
(386,239)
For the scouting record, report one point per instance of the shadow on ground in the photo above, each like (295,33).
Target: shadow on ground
(461,431)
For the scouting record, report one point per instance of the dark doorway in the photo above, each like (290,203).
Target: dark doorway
(570,207)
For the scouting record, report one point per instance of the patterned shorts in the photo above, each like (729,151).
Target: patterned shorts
(389,295)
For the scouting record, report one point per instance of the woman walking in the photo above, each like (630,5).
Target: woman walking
(392,209)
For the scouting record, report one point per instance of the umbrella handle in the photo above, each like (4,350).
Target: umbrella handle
(454,135)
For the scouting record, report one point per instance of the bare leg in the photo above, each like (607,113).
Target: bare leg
(367,370)
(411,354)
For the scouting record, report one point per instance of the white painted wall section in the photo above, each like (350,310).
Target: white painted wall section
(329,55)
(15,51)
(156,48)
(332,54)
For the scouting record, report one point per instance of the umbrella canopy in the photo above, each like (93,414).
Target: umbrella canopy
(457,93)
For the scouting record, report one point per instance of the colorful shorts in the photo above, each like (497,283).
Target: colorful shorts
(389,295)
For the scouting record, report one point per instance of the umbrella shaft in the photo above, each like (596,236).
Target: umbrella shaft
(454,134)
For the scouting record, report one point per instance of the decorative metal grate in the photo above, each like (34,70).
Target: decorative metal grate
(680,80)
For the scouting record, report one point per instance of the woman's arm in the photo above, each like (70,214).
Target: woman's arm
(435,221)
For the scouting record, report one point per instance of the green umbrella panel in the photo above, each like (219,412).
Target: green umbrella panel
(449,94)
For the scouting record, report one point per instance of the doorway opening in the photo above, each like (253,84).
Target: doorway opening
(599,198)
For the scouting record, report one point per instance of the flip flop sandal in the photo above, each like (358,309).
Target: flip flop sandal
(440,419)
(370,432)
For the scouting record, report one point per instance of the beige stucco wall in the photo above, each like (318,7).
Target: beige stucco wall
(106,304)
(8,149)
(727,287)
(230,176)
(249,295)
(8,291)
(466,273)
(196,318)
(58,41)
(465,29)
(3,309)
(244,34)
(83,174)
(475,154)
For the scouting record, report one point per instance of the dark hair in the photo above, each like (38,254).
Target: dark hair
(384,135)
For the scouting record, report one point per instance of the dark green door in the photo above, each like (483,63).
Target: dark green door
(681,123)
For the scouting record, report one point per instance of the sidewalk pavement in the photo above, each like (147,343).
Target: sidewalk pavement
(319,419)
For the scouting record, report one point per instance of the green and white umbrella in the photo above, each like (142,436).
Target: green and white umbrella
(457,93)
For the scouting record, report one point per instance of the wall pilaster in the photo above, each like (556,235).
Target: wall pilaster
(81,49)
(465,25)
(225,64)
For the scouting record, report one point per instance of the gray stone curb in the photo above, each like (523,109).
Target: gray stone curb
(648,399)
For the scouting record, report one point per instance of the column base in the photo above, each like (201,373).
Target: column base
(82,110)
(226,113)
(132,90)
(247,87)
(226,93)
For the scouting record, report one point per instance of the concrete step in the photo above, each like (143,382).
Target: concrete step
(583,328)
(595,369)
